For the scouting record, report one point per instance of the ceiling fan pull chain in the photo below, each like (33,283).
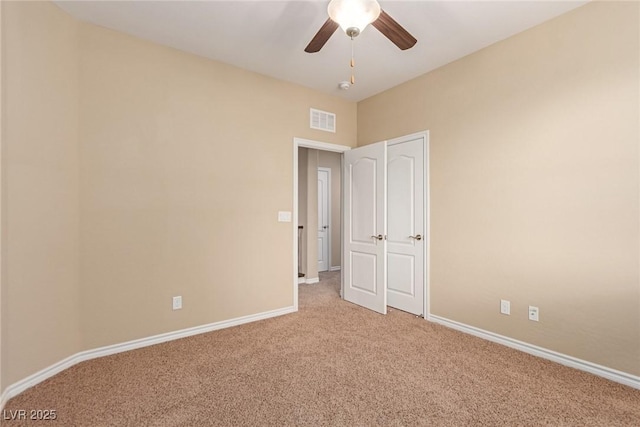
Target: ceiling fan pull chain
(352,63)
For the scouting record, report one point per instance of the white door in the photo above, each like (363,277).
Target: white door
(324,187)
(405,225)
(364,227)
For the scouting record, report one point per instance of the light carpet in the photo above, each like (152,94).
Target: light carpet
(332,363)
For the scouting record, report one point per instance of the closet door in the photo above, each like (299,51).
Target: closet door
(364,244)
(406,238)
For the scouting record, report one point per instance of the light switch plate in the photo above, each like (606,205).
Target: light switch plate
(284,216)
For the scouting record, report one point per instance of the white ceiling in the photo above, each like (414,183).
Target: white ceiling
(269,37)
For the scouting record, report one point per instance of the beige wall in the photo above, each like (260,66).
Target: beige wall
(2,322)
(2,291)
(534,170)
(332,160)
(133,173)
(185,164)
(40,230)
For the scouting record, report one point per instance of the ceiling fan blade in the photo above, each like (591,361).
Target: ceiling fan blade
(321,37)
(394,31)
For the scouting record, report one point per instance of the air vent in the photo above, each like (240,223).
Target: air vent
(322,120)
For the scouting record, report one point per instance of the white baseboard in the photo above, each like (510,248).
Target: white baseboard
(573,362)
(301,280)
(312,280)
(335,268)
(22,385)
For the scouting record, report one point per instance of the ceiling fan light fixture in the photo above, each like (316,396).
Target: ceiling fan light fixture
(353,15)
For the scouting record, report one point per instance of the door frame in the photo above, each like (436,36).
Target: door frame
(328,230)
(317,145)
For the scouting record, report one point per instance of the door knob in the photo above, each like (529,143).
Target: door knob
(417,237)
(379,237)
(325,226)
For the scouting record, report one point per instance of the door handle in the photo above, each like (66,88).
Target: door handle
(379,237)
(325,226)
(416,237)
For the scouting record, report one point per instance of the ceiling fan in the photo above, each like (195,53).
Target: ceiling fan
(353,16)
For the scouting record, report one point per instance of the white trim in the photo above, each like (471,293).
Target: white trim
(324,146)
(312,280)
(342,257)
(427,225)
(301,280)
(328,230)
(405,138)
(296,279)
(46,373)
(335,268)
(2,249)
(307,143)
(573,362)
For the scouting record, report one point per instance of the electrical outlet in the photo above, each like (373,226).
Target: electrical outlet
(505,307)
(177,303)
(534,313)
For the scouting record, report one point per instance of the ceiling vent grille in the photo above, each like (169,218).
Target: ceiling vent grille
(322,120)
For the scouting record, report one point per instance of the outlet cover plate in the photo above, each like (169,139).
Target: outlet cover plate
(177,303)
(505,307)
(534,313)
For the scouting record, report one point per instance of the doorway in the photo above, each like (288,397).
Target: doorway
(330,157)
(319,217)
(372,281)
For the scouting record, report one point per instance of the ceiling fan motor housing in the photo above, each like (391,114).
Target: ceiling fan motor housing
(353,14)
(353,32)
